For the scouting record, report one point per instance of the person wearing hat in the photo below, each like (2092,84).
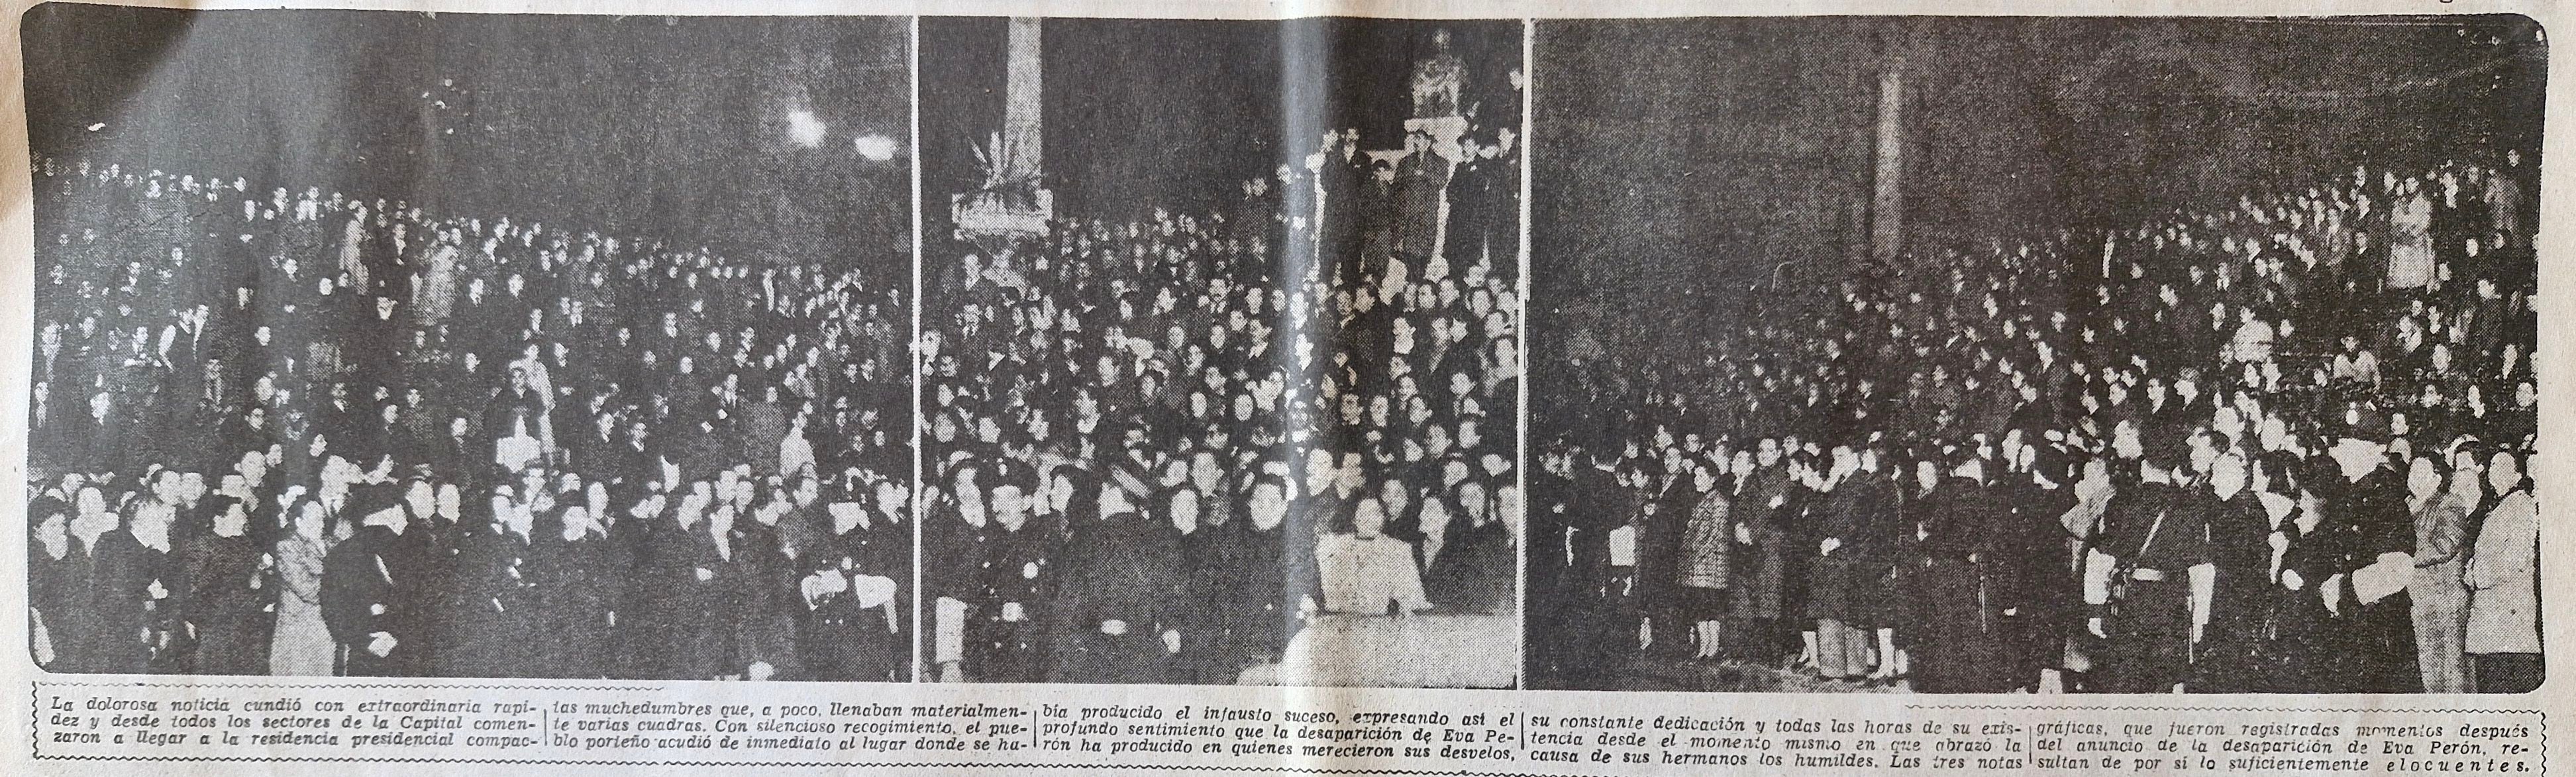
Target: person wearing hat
(1013,566)
(2372,537)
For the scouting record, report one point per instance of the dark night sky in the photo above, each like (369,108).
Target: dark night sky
(676,127)
(1177,114)
(659,127)
(1681,161)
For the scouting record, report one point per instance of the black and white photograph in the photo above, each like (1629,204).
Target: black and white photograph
(2047,355)
(1221,339)
(470,345)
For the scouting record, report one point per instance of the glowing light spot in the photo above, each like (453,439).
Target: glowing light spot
(804,129)
(876,148)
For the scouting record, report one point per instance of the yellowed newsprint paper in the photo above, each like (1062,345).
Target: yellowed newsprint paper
(1350,388)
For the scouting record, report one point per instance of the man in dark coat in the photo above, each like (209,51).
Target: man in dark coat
(371,595)
(1473,573)
(2152,535)
(957,525)
(659,621)
(2240,553)
(753,591)
(1842,642)
(1962,648)
(1115,609)
(1005,641)
(2366,521)
(1763,506)
(1600,505)
(126,596)
(851,630)
(493,613)
(223,596)
(579,575)
(2035,590)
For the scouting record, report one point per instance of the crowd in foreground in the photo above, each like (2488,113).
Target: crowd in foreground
(2282,444)
(306,434)
(1162,447)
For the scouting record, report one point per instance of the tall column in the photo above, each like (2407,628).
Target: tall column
(1887,205)
(1889,199)
(1023,124)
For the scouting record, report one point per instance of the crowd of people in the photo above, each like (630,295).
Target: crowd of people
(2279,444)
(298,433)
(1159,448)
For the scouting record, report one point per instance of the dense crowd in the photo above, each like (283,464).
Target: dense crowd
(2279,444)
(1161,447)
(305,434)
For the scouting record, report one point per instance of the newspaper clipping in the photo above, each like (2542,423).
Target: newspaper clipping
(1548,388)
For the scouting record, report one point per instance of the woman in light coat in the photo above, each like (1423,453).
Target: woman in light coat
(2503,577)
(302,645)
(2440,598)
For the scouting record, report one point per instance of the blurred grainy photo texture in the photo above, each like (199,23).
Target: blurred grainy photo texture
(2052,355)
(470,345)
(1222,351)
